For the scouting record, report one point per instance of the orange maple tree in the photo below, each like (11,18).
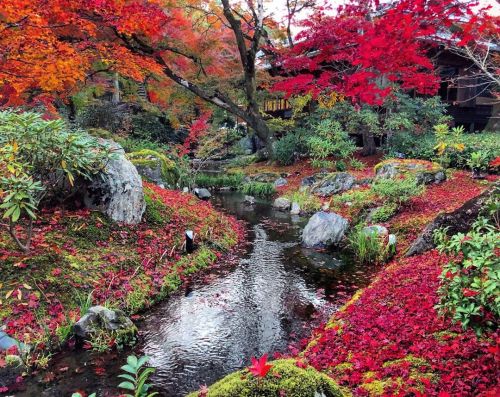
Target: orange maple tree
(48,48)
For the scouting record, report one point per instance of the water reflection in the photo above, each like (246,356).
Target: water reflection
(209,330)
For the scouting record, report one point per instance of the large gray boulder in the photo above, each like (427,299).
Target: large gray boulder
(282,204)
(100,318)
(312,179)
(267,177)
(202,193)
(117,190)
(280,182)
(334,183)
(457,221)
(324,229)
(425,172)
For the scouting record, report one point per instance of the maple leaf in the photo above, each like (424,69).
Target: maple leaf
(260,368)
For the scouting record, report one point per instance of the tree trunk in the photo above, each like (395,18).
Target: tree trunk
(369,147)
(116,89)
(257,123)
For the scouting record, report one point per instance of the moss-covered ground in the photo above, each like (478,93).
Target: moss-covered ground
(81,258)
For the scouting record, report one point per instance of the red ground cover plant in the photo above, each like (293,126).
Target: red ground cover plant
(390,341)
(127,266)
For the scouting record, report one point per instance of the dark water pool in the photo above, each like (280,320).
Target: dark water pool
(263,304)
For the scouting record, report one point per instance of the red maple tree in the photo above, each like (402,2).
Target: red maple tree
(367,50)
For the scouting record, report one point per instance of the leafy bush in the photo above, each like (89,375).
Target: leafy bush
(449,143)
(397,191)
(149,126)
(260,189)
(220,180)
(470,281)
(422,147)
(478,161)
(357,164)
(368,247)
(286,149)
(44,162)
(329,139)
(135,145)
(358,198)
(384,213)
(136,376)
(102,114)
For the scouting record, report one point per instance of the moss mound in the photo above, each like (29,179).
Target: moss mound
(284,378)
(155,161)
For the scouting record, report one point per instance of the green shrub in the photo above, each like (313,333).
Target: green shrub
(150,126)
(136,145)
(411,145)
(101,114)
(397,191)
(421,146)
(470,281)
(42,161)
(356,164)
(307,201)
(286,149)
(233,180)
(285,378)
(384,213)
(478,161)
(243,161)
(260,189)
(340,165)
(329,139)
(368,247)
(136,375)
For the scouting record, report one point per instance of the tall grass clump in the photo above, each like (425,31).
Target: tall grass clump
(260,189)
(368,247)
(307,201)
(234,180)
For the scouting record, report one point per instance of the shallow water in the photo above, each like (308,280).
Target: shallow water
(212,327)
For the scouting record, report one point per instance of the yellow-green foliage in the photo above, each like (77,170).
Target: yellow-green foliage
(307,201)
(153,159)
(406,165)
(284,377)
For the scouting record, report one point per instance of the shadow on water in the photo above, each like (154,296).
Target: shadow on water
(207,330)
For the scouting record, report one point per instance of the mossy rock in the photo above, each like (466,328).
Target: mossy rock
(284,378)
(155,167)
(424,171)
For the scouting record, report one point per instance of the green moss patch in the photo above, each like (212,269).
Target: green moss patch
(153,159)
(284,378)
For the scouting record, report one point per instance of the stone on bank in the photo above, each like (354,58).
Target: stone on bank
(117,190)
(324,229)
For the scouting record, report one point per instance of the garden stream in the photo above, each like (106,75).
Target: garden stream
(265,302)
